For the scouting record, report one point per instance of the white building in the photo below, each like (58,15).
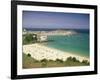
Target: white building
(41,37)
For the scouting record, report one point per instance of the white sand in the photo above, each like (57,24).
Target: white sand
(40,52)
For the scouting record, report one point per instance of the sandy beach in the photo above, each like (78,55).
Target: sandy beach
(40,52)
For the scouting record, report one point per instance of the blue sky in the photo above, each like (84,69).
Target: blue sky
(37,19)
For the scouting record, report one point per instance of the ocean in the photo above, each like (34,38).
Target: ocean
(76,44)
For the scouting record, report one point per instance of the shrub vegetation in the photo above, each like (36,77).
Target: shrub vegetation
(30,62)
(28,38)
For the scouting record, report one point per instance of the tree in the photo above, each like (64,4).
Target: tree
(29,55)
(85,62)
(74,59)
(29,38)
(44,62)
(59,60)
(69,59)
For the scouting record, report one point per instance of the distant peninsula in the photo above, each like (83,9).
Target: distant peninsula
(52,32)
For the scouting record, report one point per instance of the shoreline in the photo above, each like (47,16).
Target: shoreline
(39,52)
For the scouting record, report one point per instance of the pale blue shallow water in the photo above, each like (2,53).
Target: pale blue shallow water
(76,44)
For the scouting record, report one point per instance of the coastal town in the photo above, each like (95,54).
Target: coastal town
(42,35)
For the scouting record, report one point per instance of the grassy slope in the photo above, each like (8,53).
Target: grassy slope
(29,62)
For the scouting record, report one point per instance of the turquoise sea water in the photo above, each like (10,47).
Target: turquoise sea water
(76,44)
